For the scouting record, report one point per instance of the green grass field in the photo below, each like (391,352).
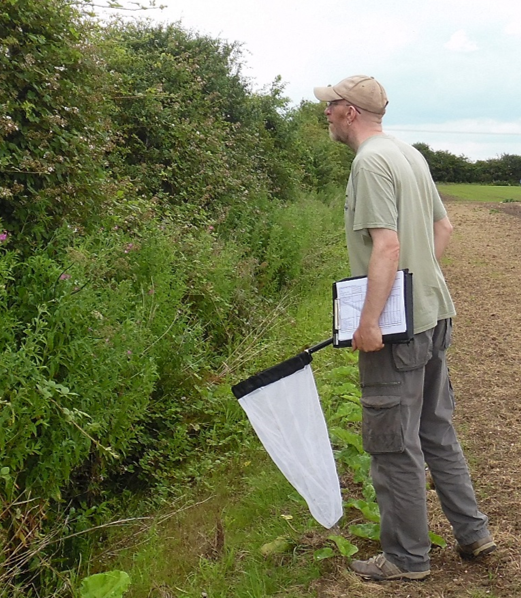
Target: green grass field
(481,192)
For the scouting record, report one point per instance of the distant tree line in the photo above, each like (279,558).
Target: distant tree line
(449,168)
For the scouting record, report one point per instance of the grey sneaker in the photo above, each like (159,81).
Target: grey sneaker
(480,547)
(380,569)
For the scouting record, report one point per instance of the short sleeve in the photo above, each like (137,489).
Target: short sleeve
(375,201)
(438,209)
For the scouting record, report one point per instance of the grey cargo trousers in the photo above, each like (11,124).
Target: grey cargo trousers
(407,404)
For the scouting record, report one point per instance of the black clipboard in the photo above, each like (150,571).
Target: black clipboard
(403,336)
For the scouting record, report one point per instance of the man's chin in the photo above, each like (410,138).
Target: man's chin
(332,134)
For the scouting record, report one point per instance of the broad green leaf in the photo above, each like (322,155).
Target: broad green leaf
(349,438)
(345,548)
(368,491)
(349,412)
(369,509)
(280,545)
(112,584)
(371,531)
(348,391)
(360,463)
(323,553)
(437,540)
(341,373)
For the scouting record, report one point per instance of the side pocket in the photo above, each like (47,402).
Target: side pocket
(382,425)
(413,355)
(446,334)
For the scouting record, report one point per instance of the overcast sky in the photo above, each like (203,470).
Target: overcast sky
(451,68)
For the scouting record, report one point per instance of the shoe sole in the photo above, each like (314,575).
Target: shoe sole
(481,551)
(409,575)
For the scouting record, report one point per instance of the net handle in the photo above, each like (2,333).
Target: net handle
(319,346)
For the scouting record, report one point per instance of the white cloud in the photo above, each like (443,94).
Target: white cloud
(474,126)
(513,28)
(459,42)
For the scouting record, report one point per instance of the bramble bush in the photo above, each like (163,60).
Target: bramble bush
(182,109)
(73,375)
(95,340)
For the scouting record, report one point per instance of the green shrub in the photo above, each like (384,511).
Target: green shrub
(73,378)
(53,129)
(103,345)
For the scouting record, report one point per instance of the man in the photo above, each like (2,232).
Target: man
(395,219)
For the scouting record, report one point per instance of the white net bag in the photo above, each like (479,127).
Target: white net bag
(284,409)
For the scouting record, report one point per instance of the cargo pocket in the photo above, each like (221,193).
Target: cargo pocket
(382,424)
(414,354)
(443,338)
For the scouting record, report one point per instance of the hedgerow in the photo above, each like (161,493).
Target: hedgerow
(53,126)
(151,220)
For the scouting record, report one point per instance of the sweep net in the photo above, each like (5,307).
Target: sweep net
(284,409)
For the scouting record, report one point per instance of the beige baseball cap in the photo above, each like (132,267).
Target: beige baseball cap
(363,91)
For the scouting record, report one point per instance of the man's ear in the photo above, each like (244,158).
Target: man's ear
(351,115)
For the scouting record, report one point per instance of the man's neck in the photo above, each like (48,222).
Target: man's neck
(364,135)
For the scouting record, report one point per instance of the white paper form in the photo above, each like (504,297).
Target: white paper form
(350,301)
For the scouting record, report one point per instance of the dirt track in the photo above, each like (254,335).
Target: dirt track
(483,268)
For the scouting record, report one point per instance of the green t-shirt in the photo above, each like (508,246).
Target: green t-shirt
(390,186)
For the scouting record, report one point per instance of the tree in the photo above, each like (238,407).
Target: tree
(504,170)
(446,167)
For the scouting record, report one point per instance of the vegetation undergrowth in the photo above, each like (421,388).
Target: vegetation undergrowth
(150,235)
(245,530)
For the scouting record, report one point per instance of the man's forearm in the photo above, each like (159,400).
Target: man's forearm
(381,275)
(380,279)
(442,234)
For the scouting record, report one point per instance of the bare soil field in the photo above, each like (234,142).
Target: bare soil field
(483,269)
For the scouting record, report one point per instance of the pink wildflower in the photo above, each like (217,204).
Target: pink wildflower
(3,236)
(65,276)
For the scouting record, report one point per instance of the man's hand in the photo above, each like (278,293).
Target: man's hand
(367,338)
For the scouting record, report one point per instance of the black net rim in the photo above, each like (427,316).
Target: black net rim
(272,374)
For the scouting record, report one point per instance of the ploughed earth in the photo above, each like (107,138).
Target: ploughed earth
(483,268)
